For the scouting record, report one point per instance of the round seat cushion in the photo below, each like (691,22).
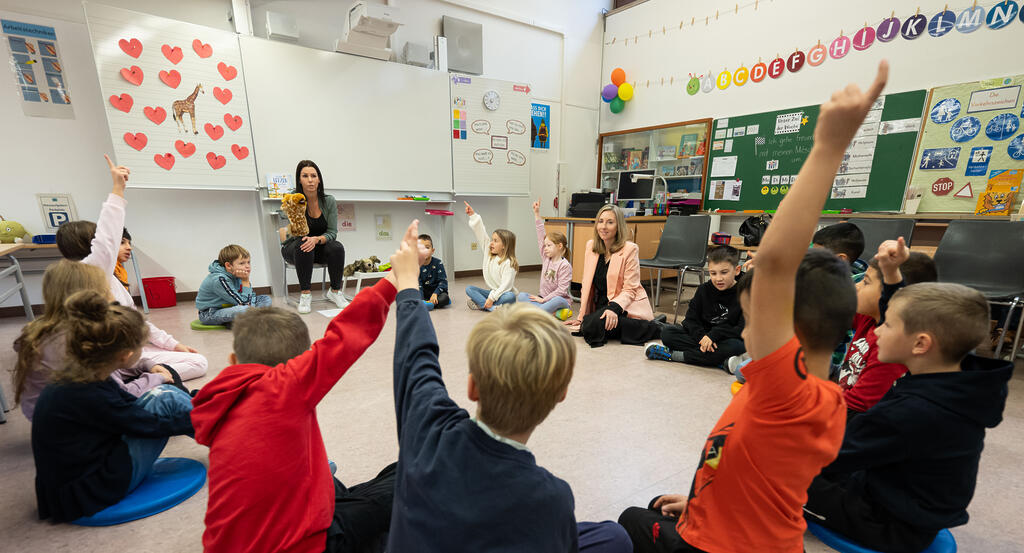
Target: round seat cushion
(196,325)
(172,481)
(944,541)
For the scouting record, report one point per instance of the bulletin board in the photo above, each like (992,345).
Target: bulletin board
(754,159)
(490,136)
(175,100)
(971,130)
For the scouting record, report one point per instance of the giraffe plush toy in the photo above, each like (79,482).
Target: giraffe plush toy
(188,105)
(294,206)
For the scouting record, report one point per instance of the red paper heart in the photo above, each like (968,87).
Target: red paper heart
(166,161)
(137,141)
(203,50)
(222,94)
(156,115)
(227,71)
(214,131)
(131,47)
(171,79)
(215,160)
(241,152)
(123,102)
(133,75)
(173,55)
(185,149)
(234,122)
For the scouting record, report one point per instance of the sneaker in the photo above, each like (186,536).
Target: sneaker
(305,303)
(333,466)
(660,318)
(338,298)
(656,351)
(472,304)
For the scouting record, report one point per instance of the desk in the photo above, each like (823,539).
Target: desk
(50,251)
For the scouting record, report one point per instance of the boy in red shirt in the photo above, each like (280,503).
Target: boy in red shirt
(787,422)
(863,378)
(270,486)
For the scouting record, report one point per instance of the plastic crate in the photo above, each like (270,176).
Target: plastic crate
(160,291)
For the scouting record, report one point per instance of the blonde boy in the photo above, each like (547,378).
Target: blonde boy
(470,483)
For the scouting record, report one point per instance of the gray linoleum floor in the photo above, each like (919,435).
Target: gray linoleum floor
(629,429)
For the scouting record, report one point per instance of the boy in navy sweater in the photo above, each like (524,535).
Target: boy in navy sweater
(433,280)
(908,466)
(470,483)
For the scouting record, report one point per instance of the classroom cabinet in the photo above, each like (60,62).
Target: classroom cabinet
(645,231)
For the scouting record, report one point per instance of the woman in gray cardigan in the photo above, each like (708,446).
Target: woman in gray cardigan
(320,246)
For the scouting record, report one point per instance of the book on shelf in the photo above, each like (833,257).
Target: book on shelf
(687,145)
(612,161)
(696,165)
(666,152)
(644,157)
(633,159)
(667,171)
(999,194)
(701,148)
(279,184)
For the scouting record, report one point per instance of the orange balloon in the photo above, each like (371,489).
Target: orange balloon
(618,76)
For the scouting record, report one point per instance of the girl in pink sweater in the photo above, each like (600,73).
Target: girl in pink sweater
(556,272)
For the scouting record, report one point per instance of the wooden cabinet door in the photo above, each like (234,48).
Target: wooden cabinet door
(581,233)
(648,235)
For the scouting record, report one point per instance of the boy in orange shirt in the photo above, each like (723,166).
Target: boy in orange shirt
(787,422)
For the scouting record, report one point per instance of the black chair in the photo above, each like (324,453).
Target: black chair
(683,247)
(877,231)
(989,257)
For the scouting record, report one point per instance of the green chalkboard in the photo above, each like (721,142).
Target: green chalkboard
(768,149)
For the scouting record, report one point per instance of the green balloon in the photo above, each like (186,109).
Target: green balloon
(616,105)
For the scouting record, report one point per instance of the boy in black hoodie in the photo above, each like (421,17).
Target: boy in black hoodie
(710,333)
(908,466)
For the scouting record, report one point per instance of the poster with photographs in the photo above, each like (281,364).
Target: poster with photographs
(37,69)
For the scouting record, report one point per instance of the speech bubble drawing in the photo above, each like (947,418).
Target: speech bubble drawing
(516,157)
(484,155)
(481,126)
(515,127)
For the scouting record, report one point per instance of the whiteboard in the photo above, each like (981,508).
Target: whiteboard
(145,64)
(368,124)
(490,147)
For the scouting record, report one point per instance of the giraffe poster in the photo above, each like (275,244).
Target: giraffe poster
(175,100)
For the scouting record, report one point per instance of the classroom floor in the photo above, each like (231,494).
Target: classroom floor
(629,429)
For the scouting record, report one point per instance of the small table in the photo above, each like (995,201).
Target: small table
(359,281)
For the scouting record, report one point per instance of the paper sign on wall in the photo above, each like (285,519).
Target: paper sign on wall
(788,123)
(723,166)
(38,69)
(346,216)
(56,210)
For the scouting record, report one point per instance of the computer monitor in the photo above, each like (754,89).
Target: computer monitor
(641,190)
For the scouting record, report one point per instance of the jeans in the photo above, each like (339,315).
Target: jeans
(166,401)
(442,298)
(479,297)
(221,315)
(551,306)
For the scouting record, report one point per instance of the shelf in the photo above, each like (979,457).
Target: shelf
(681,176)
(674,159)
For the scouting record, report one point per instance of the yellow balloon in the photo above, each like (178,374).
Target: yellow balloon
(625,91)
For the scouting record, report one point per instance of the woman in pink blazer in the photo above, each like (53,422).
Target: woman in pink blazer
(613,302)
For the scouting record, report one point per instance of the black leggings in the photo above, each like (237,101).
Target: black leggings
(362,514)
(331,254)
(652,532)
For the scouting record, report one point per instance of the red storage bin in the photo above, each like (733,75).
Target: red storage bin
(160,291)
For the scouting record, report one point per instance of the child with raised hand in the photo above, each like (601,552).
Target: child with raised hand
(470,483)
(909,465)
(226,291)
(42,345)
(499,268)
(787,422)
(99,244)
(556,272)
(276,493)
(433,280)
(863,378)
(93,442)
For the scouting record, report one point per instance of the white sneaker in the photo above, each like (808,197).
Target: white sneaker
(305,303)
(472,304)
(338,298)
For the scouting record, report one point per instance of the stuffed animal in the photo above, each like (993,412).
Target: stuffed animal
(294,206)
(12,232)
(367,265)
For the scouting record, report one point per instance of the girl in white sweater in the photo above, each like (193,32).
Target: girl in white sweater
(499,267)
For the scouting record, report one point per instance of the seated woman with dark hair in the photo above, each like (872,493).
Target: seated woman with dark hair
(320,245)
(613,303)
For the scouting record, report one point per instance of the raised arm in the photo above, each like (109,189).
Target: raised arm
(110,225)
(420,396)
(779,256)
